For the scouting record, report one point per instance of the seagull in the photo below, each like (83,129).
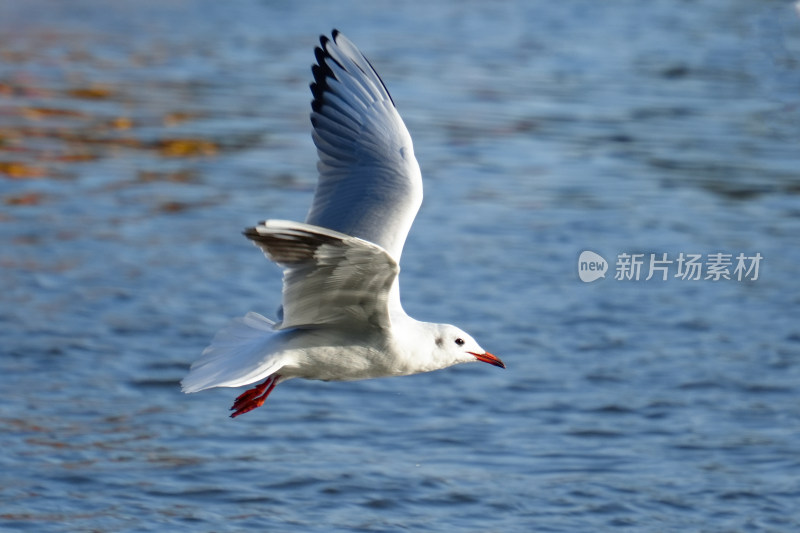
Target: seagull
(341,317)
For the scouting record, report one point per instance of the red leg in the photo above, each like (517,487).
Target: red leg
(250,399)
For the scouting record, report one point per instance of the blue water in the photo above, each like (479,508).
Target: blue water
(137,139)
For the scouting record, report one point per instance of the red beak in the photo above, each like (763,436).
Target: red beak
(488,358)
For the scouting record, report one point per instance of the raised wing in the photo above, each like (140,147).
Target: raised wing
(370,184)
(328,277)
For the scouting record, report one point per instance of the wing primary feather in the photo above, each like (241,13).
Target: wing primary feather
(369,184)
(347,55)
(288,246)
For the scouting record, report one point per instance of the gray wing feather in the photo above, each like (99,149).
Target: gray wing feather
(370,184)
(329,277)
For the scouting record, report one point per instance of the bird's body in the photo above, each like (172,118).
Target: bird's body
(341,317)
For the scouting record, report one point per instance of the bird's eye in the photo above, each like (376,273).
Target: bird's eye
(460,341)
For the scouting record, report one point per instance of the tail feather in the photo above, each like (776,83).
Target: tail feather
(238,355)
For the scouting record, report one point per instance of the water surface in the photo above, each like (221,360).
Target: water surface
(137,140)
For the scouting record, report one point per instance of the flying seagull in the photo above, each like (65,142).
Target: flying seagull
(341,317)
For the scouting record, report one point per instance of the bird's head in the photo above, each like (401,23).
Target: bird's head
(453,346)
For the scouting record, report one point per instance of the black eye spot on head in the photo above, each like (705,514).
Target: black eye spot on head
(460,341)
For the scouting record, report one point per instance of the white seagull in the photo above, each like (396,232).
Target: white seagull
(341,317)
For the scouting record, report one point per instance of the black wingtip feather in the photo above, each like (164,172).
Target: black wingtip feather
(289,245)
(321,71)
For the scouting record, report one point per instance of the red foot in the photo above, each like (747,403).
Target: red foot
(254,397)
